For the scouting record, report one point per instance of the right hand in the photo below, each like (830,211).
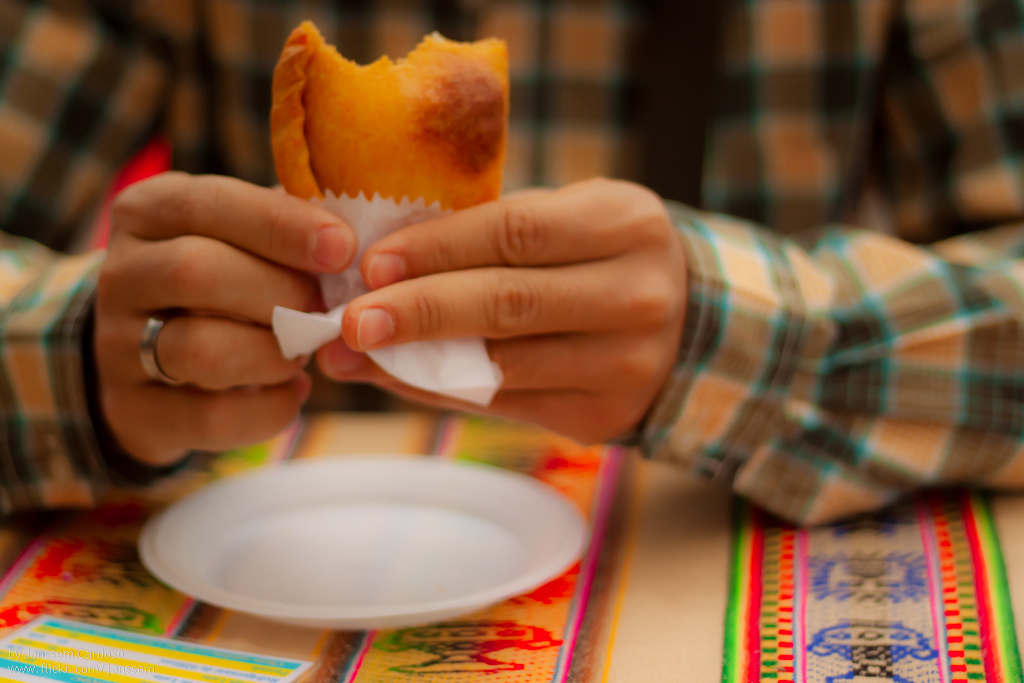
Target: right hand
(212,256)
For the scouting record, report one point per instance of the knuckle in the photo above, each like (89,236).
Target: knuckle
(127,208)
(521,238)
(654,227)
(516,306)
(641,209)
(203,357)
(139,202)
(430,317)
(192,356)
(606,186)
(444,253)
(616,193)
(278,237)
(651,221)
(196,201)
(652,302)
(185,266)
(636,367)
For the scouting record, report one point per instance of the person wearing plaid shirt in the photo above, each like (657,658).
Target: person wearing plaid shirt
(804,347)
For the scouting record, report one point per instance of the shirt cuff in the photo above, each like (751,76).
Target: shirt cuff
(50,457)
(755,334)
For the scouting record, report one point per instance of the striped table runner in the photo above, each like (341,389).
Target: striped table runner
(916,593)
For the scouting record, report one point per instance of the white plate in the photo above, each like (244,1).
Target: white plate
(367,542)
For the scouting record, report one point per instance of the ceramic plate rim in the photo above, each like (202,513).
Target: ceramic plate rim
(195,587)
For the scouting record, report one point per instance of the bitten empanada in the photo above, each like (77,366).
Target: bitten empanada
(432,125)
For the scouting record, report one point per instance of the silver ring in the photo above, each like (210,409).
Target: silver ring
(147,353)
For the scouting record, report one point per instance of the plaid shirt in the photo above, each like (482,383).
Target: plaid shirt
(820,374)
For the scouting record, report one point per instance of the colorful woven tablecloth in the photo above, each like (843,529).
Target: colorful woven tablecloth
(85,567)
(915,594)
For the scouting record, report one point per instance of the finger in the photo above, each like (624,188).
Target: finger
(204,274)
(569,412)
(586,416)
(570,361)
(526,192)
(581,362)
(157,423)
(584,222)
(505,302)
(338,361)
(262,221)
(217,353)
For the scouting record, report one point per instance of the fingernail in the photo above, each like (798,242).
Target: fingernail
(341,360)
(375,326)
(385,269)
(333,247)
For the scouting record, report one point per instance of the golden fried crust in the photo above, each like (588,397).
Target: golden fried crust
(433,125)
(288,115)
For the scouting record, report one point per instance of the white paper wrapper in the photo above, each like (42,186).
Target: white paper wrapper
(459,368)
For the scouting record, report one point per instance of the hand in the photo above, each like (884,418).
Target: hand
(212,256)
(580,293)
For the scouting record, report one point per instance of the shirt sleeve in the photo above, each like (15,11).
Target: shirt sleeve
(49,455)
(829,375)
(81,87)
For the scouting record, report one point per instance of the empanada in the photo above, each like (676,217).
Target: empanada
(432,125)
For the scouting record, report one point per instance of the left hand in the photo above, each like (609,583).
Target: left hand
(580,293)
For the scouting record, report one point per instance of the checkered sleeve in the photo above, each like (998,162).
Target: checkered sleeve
(829,375)
(78,92)
(49,455)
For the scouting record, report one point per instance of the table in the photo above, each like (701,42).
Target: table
(662,592)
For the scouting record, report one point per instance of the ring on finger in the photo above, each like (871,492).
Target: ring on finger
(147,353)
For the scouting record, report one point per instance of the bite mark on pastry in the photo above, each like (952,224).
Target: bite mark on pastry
(432,125)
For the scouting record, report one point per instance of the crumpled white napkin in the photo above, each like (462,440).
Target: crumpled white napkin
(459,368)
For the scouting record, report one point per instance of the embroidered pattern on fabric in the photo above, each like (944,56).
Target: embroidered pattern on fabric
(883,523)
(917,594)
(869,576)
(466,646)
(872,647)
